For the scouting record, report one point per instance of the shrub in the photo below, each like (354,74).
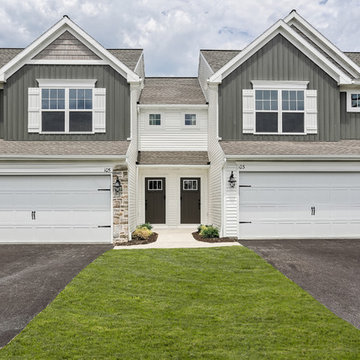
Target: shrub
(142,233)
(146,226)
(209,231)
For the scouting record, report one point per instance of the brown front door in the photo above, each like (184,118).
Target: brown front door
(190,200)
(155,200)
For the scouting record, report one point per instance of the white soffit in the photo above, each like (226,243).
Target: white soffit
(280,27)
(65,24)
(326,45)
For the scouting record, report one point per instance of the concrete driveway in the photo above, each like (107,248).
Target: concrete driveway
(31,276)
(327,269)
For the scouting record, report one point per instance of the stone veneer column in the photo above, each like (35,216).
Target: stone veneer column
(120,207)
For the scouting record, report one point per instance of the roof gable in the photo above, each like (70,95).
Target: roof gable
(62,29)
(322,43)
(280,27)
(66,47)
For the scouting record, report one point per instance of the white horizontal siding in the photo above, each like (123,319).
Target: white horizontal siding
(173,134)
(172,181)
(231,201)
(216,157)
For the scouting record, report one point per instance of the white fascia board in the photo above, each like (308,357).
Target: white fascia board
(294,157)
(323,42)
(173,106)
(45,39)
(280,27)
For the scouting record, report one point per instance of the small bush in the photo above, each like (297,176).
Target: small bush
(146,225)
(208,231)
(142,233)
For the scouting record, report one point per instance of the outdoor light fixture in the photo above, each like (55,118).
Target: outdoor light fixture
(117,186)
(232,180)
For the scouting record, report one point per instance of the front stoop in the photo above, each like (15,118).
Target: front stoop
(120,207)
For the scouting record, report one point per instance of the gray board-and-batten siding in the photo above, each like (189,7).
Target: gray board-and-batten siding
(279,60)
(350,121)
(15,109)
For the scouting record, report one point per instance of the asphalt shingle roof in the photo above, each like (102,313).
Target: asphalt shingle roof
(218,58)
(173,158)
(354,56)
(343,147)
(129,57)
(6,54)
(63,147)
(171,90)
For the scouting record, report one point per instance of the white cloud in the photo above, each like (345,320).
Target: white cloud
(172,31)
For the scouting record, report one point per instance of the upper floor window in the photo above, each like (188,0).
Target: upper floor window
(190,119)
(279,111)
(155,119)
(353,101)
(66,110)
(66,106)
(279,107)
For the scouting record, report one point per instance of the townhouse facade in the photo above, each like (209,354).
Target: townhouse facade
(263,143)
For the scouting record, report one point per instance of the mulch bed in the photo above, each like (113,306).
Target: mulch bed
(197,237)
(137,241)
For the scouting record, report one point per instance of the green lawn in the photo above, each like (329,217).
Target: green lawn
(218,303)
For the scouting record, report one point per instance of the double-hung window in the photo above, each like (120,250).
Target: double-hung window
(279,108)
(279,111)
(353,101)
(66,106)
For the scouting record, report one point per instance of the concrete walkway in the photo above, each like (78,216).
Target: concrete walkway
(176,239)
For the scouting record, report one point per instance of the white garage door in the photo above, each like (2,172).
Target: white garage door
(55,209)
(299,205)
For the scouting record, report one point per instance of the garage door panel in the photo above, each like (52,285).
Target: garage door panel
(299,205)
(66,208)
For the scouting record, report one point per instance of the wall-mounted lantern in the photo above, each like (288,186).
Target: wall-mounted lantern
(232,180)
(117,186)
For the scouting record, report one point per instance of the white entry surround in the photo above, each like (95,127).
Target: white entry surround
(172,175)
(284,200)
(56,203)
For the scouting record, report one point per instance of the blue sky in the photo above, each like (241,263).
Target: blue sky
(171,32)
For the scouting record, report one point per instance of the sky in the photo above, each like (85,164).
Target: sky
(172,32)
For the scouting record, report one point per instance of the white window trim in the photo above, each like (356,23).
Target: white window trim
(190,127)
(160,181)
(193,181)
(349,108)
(154,127)
(63,83)
(66,85)
(279,86)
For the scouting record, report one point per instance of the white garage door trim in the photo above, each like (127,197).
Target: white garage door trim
(56,208)
(308,205)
